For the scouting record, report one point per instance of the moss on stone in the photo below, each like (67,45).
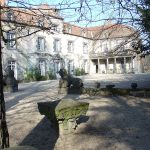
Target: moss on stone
(68,109)
(62,110)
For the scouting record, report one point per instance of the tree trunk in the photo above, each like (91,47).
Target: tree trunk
(4,139)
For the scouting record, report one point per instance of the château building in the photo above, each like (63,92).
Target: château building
(101,49)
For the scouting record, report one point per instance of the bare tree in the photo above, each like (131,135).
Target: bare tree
(134,13)
(24,19)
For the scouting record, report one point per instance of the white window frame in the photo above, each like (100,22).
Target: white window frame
(42,67)
(85,48)
(57,45)
(11,44)
(12,65)
(70,46)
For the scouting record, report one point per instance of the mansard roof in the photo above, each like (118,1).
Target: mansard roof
(101,32)
(31,16)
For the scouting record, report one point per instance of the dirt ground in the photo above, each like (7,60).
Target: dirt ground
(112,123)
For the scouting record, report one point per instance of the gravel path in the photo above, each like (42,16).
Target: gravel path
(112,123)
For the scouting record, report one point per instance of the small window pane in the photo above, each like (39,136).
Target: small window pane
(11,44)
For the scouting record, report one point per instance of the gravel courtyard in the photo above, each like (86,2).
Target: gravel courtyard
(112,123)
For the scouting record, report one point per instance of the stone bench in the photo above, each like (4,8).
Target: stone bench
(64,113)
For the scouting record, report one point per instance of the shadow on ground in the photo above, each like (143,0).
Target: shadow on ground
(124,125)
(42,137)
(114,123)
(27,91)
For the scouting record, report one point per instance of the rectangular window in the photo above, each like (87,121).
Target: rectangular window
(41,43)
(55,28)
(57,45)
(11,65)
(11,44)
(70,46)
(40,23)
(105,48)
(85,48)
(42,67)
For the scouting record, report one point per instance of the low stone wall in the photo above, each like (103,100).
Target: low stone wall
(115,91)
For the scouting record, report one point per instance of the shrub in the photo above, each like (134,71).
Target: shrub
(37,75)
(29,75)
(34,74)
(51,75)
(82,71)
(79,72)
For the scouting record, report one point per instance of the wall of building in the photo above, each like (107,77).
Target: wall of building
(26,54)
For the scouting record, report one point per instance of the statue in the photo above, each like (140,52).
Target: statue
(68,84)
(62,72)
(10,83)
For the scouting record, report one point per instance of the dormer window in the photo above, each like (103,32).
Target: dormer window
(10,16)
(69,29)
(40,23)
(83,33)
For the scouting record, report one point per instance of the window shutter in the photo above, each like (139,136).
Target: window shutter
(45,46)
